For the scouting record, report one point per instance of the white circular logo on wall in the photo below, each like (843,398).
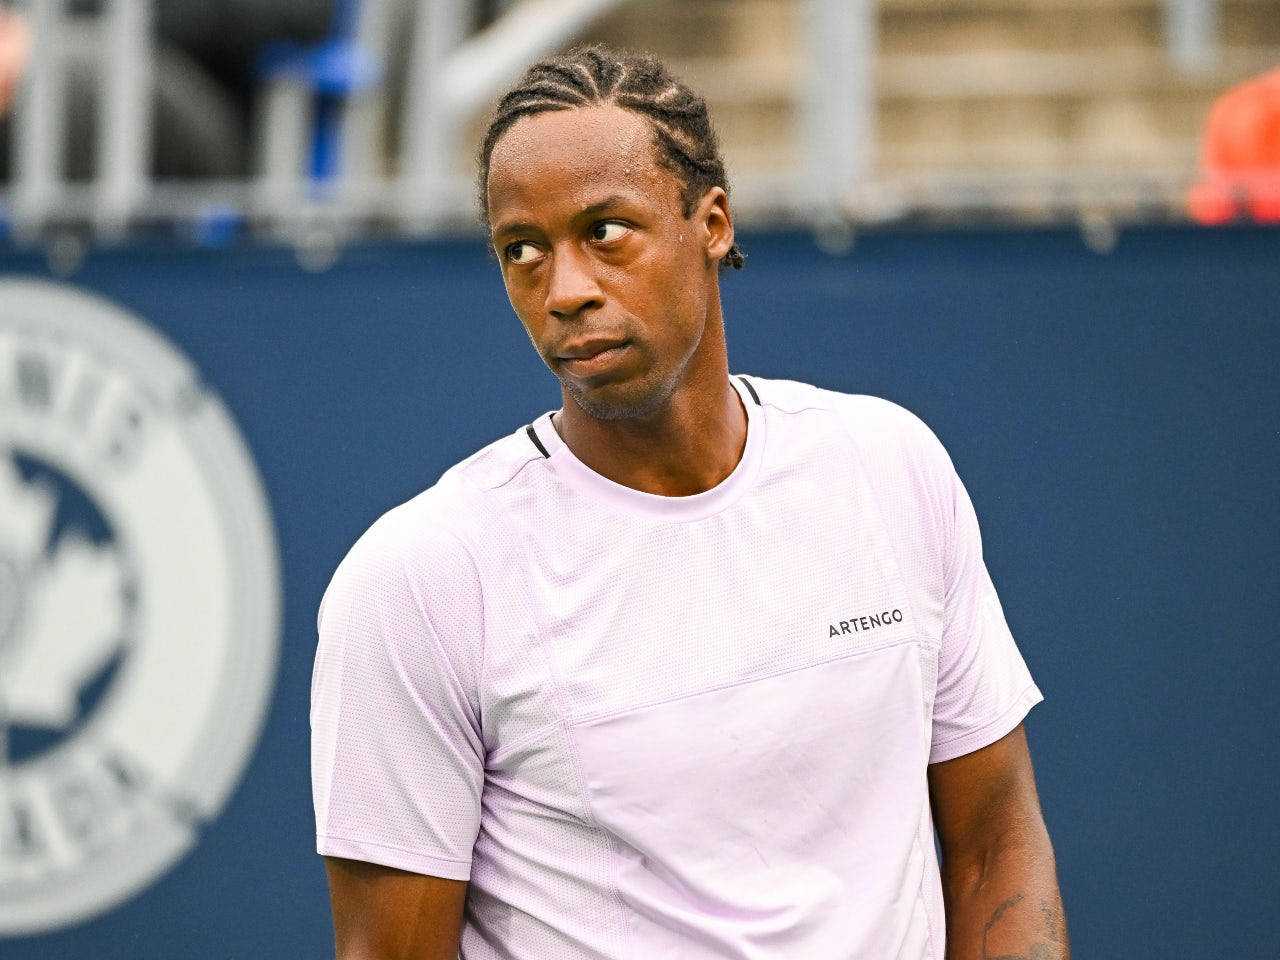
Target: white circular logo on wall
(139,606)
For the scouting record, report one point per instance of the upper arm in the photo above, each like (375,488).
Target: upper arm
(380,913)
(985,800)
(397,754)
(984,688)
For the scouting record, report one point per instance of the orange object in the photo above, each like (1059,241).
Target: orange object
(15,51)
(1240,156)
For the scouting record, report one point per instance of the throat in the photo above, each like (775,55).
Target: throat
(677,454)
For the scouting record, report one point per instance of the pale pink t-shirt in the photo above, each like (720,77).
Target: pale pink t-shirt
(670,728)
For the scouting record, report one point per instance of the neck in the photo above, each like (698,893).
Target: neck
(691,445)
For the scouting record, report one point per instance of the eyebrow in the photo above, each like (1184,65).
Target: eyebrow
(520,226)
(601,206)
(591,210)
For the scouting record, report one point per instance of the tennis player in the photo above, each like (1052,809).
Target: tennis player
(692,667)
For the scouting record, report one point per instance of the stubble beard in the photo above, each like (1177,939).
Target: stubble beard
(641,399)
(637,405)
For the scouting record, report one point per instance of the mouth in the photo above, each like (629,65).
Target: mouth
(591,357)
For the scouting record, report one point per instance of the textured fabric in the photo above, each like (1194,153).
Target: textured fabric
(653,727)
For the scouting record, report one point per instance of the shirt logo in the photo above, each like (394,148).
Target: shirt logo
(864,623)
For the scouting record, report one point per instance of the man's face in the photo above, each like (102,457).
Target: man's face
(610,279)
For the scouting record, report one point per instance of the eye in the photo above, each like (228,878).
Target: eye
(607,231)
(521,252)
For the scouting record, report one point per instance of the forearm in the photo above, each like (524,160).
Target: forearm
(1008,907)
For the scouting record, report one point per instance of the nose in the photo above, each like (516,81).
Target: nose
(571,284)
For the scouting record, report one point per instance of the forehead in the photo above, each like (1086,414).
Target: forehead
(564,160)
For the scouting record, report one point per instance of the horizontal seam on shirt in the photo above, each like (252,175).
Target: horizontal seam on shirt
(1013,705)
(764,676)
(390,846)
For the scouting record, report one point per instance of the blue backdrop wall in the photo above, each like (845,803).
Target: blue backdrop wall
(1115,417)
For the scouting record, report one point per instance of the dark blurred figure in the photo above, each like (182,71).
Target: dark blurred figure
(225,38)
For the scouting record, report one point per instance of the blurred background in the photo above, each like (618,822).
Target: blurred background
(245,308)
(363,115)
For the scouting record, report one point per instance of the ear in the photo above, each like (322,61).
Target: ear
(716,221)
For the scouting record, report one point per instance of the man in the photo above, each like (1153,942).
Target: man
(692,667)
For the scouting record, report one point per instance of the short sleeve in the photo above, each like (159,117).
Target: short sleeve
(396,748)
(984,688)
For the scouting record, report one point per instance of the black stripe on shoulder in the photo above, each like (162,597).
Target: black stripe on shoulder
(751,390)
(533,435)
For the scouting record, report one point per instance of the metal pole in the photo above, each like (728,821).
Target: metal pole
(429,128)
(124,133)
(1191,34)
(282,133)
(491,60)
(39,121)
(361,146)
(838,115)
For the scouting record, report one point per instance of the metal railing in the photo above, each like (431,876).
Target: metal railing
(453,72)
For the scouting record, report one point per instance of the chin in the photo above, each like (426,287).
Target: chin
(636,401)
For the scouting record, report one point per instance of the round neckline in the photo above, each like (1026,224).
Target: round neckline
(696,506)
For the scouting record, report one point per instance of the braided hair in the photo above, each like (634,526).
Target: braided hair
(593,75)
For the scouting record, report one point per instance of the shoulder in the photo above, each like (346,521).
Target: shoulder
(899,458)
(878,427)
(427,545)
(897,454)
(456,508)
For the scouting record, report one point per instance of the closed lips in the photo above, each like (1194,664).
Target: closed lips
(588,349)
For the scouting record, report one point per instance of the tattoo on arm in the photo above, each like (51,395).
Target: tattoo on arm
(1040,950)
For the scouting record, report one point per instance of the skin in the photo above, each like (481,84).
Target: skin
(380,913)
(999,881)
(596,251)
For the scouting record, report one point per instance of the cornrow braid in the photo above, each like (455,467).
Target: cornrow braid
(590,76)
